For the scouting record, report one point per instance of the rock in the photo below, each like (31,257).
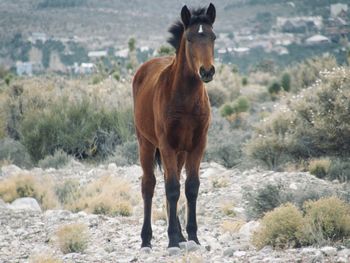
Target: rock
(248,229)
(10,170)
(239,253)
(3,204)
(174,251)
(228,252)
(329,251)
(145,250)
(25,203)
(317,258)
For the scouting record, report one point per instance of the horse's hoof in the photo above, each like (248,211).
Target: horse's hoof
(174,251)
(146,250)
(183,245)
(189,246)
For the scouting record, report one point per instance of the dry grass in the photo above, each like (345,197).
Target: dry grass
(107,195)
(228,209)
(44,258)
(320,167)
(72,238)
(219,182)
(232,226)
(27,185)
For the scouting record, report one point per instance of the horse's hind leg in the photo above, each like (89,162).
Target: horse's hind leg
(147,152)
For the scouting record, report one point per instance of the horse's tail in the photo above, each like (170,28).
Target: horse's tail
(158,159)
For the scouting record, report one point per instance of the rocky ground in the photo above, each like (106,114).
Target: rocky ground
(26,231)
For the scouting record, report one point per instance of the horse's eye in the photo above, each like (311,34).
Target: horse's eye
(213,37)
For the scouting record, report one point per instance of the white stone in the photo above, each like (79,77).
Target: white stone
(25,203)
(10,170)
(329,251)
(239,253)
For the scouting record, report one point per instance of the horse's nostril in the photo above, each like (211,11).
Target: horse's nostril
(212,70)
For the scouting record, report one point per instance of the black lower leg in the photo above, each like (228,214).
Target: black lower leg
(147,194)
(172,189)
(192,186)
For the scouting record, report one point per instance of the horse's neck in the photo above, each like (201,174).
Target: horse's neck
(186,82)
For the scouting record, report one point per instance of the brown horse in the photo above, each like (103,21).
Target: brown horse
(172,115)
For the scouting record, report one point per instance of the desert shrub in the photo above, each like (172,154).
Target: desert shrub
(327,219)
(217,97)
(339,169)
(241,104)
(232,226)
(72,238)
(306,73)
(315,123)
(286,81)
(14,152)
(125,154)
(82,129)
(26,185)
(319,167)
(244,81)
(58,160)
(280,228)
(264,199)
(44,258)
(274,87)
(107,195)
(67,192)
(226,110)
(225,143)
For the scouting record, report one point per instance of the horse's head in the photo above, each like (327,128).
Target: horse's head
(199,40)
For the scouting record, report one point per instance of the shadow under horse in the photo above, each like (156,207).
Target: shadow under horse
(172,116)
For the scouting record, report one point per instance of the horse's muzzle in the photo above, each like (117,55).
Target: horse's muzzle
(206,75)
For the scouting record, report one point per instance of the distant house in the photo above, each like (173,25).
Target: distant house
(24,68)
(123,53)
(97,54)
(37,36)
(299,24)
(84,68)
(317,40)
(338,9)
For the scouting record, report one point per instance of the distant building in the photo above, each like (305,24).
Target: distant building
(97,54)
(123,53)
(317,40)
(24,68)
(338,9)
(37,36)
(299,24)
(84,68)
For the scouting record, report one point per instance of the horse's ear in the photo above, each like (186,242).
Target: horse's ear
(211,13)
(185,16)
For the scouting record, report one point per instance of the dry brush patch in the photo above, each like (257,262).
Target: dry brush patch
(72,238)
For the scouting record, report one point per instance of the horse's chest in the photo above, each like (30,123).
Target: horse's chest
(184,132)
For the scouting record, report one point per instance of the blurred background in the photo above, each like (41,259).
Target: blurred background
(279,98)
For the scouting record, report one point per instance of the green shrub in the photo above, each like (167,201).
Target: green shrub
(14,152)
(244,81)
(313,124)
(82,129)
(72,238)
(274,88)
(327,219)
(286,82)
(226,110)
(306,73)
(339,170)
(217,97)
(241,104)
(125,154)
(58,160)
(319,167)
(280,228)
(67,192)
(263,199)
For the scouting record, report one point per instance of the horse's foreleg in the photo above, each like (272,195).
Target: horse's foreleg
(147,151)
(172,190)
(191,190)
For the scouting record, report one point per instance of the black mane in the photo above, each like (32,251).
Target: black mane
(198,15)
